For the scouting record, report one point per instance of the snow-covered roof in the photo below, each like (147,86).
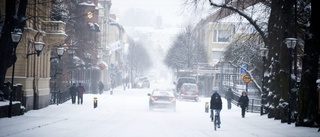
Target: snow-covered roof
(86,4)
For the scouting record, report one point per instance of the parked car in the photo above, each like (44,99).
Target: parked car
(189,91)
(141,82)
(162,99)
(181,80)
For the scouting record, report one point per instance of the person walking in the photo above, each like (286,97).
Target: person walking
(243,102)
(81,91)
(101,87)
(229,97)
(200,87)
(73,93)
(215,104)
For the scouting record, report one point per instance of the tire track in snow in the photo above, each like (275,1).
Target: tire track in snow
(36,127)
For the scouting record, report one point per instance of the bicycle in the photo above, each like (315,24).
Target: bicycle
(215,119)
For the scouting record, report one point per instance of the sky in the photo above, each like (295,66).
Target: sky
(172,11)
(126,114)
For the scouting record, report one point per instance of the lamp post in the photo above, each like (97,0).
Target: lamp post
(264,52)
(16,37)
(60,52)
(87,56)
(71,52)
(38,47)
(291,43)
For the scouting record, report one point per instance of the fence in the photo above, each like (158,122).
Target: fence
(17,92)
(254,103)
(59,97)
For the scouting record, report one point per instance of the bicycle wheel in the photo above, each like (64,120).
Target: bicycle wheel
(215,123)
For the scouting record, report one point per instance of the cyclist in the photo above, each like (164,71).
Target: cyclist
(215,104)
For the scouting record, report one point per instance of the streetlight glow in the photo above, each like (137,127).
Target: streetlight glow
(38,46)
(60,51)
(16,35)
(291,42)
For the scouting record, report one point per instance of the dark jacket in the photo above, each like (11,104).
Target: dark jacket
(229,95)
(243,101)
(101,86)
(215,102)
(73,90)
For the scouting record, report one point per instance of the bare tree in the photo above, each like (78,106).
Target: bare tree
(185,52)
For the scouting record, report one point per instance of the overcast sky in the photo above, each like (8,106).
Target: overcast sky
(172,11)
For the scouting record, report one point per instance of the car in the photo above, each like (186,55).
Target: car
(189,91)
(162,99)
(141,82)
(181,80)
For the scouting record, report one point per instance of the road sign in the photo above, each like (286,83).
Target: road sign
(242,68)
(246,78)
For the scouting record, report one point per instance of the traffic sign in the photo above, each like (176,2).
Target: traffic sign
(246,78)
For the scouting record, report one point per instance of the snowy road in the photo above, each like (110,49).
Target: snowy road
(126,114)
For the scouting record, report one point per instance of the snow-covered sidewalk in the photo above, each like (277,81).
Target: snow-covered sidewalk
(126,114)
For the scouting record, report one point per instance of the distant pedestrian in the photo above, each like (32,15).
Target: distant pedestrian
(81,91)
(200,87)
(127,81)
(101,87)
(73,93)
(229,97)
(124,83)
(243,103)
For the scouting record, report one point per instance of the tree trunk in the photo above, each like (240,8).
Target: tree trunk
(307,97)
(274,52)
(13,21)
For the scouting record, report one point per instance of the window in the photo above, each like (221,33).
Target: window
(221,35)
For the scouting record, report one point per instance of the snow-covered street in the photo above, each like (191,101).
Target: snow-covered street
(126,114)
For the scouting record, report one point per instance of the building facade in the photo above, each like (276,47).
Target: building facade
(32,70)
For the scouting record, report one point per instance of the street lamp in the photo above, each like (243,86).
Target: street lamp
(87,56)
(38,47)
(264,52)
(16,37)
(71,52)
(60,52)
(291,43)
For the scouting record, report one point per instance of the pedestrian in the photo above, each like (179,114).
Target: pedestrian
(200,88)
(124,83)
(229,97)
(73,93)
(101,87)
(215,104)
(243,103)
(81,91)
(127,81)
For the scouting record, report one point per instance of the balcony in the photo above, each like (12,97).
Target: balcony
(53,27)
(55,31)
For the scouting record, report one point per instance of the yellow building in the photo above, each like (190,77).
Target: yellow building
(32,71)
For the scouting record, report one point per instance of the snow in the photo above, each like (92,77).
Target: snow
(126,114)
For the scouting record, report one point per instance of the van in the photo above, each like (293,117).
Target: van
(182,80)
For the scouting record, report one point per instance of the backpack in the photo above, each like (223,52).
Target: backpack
(215,99)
